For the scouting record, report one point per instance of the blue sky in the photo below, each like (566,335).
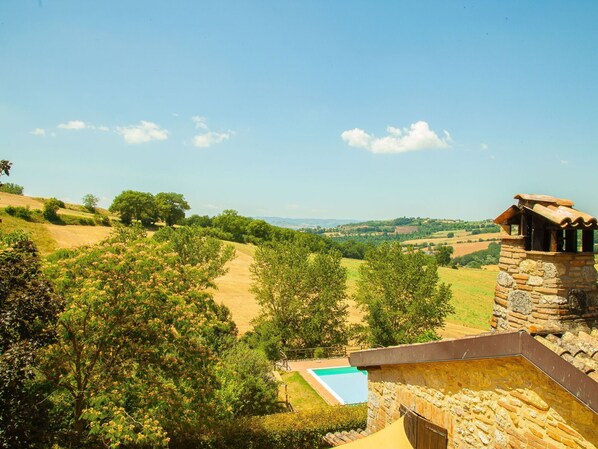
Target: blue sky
(335,109)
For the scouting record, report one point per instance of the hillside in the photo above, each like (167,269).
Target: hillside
(472,289)
(473,292)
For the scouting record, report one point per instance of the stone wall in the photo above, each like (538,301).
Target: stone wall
(500,403)
(544,291)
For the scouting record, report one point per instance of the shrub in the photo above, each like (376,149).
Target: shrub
(300,430)
(102,220)
(19,212)
(51,207)
(9,187)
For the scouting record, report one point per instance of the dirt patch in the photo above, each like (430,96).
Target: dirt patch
(73,236)
(461,249)
(8,199)
(405,229)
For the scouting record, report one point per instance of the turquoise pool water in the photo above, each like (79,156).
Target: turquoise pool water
(347,384)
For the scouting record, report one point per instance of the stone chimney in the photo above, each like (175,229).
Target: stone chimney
(547,279)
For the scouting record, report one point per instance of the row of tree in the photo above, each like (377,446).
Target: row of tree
(303,298)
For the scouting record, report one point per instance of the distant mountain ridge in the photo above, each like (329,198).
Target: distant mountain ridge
(307,223)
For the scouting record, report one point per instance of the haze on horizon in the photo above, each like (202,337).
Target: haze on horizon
(361,110)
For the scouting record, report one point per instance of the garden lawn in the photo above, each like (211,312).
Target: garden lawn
(301,395)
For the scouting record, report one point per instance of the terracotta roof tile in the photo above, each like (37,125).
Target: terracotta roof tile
(343,437)
(580,349)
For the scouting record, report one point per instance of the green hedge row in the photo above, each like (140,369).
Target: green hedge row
(299,430)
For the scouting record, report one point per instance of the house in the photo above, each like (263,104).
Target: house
(532,382)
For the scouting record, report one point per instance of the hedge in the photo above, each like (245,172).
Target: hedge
(298,430)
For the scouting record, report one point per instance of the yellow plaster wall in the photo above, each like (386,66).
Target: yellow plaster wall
(499,403)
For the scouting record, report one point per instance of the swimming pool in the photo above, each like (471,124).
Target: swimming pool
(346,383)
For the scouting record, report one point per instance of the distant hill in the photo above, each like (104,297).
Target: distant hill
(306,223)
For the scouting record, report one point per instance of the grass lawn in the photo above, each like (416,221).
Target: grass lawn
(301,395)
(473,295)
(39,233)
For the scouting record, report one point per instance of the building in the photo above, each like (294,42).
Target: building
(532,382)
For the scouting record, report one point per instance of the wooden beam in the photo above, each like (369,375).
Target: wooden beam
(571,241)
(553,241)
(587,241)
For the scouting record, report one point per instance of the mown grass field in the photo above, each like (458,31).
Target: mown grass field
(301,394)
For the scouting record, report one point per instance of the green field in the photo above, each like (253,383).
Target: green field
(473,292)
(38,232)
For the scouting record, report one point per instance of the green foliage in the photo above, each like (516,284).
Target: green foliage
(75,220)
(90,202)
(247,387)
(450,235)
(299,430)
(400,295)
(28,311)
(171,207)
(477,259)
(302,295)
(10,187)
(443,255)
(24,213)
(232,223)
(203,221)
(4,168)
(51,207)
(136,355)
(132,205)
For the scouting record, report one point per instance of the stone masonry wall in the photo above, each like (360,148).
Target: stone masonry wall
(543,291)
(499,403)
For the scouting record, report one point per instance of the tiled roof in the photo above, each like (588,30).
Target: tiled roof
(580,350)
(344,437)
(556,210)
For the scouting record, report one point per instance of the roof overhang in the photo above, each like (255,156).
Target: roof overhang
(489,346)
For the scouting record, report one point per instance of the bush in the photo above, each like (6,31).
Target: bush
(9,187)
(300,430)
(19,212)
(102,220)
(51,207)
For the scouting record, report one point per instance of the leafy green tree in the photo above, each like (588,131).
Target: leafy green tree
(247,387)
(401,297)
(260,230)
(302,295)
(135,354)
(202,221)
(450,235)
(51,207)
(171,207)
(10,187)
(132,205)
(231,222)
(28,312)
(90,202)
(443,255)
(4,168)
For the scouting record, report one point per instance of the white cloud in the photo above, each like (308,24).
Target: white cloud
(564,162)
(200,122)
(101,128)
(73,125)
(418,136)
(484,146)
(38,132)
(144,132)
(210,138)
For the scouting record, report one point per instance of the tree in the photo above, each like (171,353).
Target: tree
(90,202)
(443,255)
(28,312)
(401,297)
(450,235)
(202,221)
(231,222)
(260,230)
(247,387)
(302,296)
(10,187)
(135,356)
(51,207)
(5,168)
(132,205)
(171,207)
